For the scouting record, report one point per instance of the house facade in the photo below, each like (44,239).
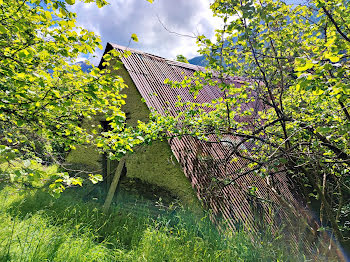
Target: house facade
(188,167)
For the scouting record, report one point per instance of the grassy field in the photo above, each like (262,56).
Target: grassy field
(36,227)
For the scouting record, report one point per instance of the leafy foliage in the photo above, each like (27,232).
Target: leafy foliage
(291,111)
(182,58)
(134,37)
(44,95)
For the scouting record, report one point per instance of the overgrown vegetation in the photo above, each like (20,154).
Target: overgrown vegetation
(37,228)
(296,63)
(44,94)
(289,116)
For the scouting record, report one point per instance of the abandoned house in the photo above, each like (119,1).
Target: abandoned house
(176,165)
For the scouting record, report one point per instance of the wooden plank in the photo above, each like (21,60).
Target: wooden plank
(108,173)
(114,185)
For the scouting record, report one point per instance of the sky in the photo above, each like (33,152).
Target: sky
(120,19)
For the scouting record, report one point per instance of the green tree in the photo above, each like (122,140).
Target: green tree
(295,60)
(181,58)
(44,94)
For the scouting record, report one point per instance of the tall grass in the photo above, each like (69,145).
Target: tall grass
(36,227)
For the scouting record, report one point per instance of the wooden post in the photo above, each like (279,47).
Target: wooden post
(108,172)
(114,185)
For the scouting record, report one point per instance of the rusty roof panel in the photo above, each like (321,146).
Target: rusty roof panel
(232,202)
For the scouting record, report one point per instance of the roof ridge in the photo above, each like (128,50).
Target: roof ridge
(168,61)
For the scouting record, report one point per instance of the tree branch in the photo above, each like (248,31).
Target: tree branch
(335,24)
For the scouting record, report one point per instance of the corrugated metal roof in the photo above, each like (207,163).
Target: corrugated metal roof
(232,202)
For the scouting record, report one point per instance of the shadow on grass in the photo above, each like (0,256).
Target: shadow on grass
(122,227)
(137,224)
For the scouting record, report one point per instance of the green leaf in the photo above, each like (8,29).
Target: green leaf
(3,29)
(63,11)
(101,3)
(24,53)
(95,178)
(303,65)
(134,37)
(332,57)
(70,2)
(107,57)
(77,181)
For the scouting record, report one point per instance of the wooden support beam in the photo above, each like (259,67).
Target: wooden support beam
(114,185)
(108,173)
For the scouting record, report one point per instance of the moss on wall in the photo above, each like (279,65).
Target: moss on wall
(86,157)
(134,108)
(154,164)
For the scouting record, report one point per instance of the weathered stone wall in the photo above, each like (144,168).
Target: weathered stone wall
(154,164)
(86,156)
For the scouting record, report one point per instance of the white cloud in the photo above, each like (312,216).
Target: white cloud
(121,18)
